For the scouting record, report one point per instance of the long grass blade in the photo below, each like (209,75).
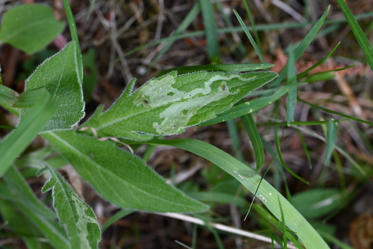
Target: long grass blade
(250,179)
(74,36)
(336,113)
(331,136)
(250,37)
(256,141)
(361,38)
(259,27)
(210,30)
(292,82)
(191,16)
(277,140)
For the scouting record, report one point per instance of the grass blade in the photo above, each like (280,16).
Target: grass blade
(331,136)
(191,16)
(32,123)
(336,113)
(361,38)
(250,179)
(210,30)
(249,36)
(74,37)
(304,73)
(256,141)
(292,82)
(277,140)
(117,216)
(303,45)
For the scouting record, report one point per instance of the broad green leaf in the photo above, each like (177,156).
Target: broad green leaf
(208,15)
(167,104)
(79,219)
(59,75)
(269,196)
(119,176)
(315,203)
(361,38)
(331,136)
(29,27)
(20,194)
(33,121)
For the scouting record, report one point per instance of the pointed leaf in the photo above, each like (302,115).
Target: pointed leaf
(331,137)
(16,190)
(80,220)
(29,27)
(167,104)
(59,75)
(120,176)
(360,37)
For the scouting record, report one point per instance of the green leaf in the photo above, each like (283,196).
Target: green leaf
(119,176)
(8,97)
(315,203)
(331,136)
(250,179)
(32,123)
(29,27)
(79,219)
(20,194)
(167,104)
(361,38)
(59,75)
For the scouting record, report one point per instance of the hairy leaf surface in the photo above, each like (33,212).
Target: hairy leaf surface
(30,27)
(59,75)
(119,176)
(80,220)
(168,104)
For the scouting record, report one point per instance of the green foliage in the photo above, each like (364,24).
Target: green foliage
(79,219)
(113,172)
(361,38)
(59,75)
(29,27)
(317,202)
(33,121)
(171,102)
(52,106)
